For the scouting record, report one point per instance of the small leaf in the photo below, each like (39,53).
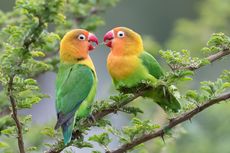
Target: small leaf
(226,85)
(102,139)
(31,149)
(3,144)
(50,132)
(37,54)
(9,131)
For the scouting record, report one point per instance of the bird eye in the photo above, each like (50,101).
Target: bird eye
(120,34)
(81,37)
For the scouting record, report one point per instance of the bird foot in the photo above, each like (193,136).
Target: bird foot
(77,135)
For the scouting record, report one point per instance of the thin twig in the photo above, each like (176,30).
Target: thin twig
(31,38)
(211,59)
(58,147)
(174,122)
(15,115)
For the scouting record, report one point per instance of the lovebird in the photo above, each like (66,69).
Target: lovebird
(76,80)
(129,65)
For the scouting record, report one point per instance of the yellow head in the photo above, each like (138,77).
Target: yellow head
(76,44)
(124,41)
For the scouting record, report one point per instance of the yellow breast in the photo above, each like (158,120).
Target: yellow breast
(120,67)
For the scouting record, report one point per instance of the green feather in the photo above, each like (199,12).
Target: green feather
(149,70)
(162,95)
(75,90)
(152,65)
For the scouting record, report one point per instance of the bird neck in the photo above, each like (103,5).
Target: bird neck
(88,61)
(72,54)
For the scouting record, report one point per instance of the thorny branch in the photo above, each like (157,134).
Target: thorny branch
(15,115)
(211,59)
(173,122)
(97,116)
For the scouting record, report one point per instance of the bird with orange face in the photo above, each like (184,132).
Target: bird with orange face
(129,65)
(76,80)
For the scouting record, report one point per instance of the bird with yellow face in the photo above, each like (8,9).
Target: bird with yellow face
(76,80)
(129,65)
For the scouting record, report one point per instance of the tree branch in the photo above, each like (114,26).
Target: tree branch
(58,147)
(211,59)
(15,115)
(113,109)
(31,38)
(173,122)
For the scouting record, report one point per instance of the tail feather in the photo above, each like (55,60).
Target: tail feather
(167,98)
(67,129)
(66,122)
(170,103)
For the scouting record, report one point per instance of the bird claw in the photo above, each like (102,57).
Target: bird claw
(77,135)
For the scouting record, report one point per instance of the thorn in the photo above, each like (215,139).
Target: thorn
(91,117)
(162,137)
(164,90)
(190,120)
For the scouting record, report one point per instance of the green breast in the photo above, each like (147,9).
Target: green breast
(137,76)
(129,71)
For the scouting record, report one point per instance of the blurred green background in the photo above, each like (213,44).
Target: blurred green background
(166,24)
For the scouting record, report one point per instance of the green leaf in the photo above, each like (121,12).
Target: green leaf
(139,128)
(37,54)
(102,139)
(30,149)
(82,144)
(3,144)
(132,110)
(96,151)
(50,132)
(226,85)
(9,131)
(192,94)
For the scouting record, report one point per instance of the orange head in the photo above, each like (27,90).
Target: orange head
(76,44)
(124,41)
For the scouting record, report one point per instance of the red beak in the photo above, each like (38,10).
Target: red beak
(108,37)
(92,39)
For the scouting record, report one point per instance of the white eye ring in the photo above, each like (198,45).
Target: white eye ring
(120,34)
(81,37)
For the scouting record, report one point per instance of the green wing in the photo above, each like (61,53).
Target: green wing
(162,94)
(152,65)
(74,83)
